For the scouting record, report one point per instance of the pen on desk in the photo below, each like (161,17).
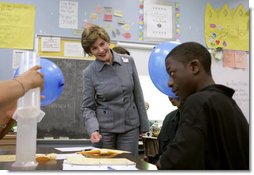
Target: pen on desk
(88,149)
(110,168)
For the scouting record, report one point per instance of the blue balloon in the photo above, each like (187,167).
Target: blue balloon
(16,72)
(157,67)
(53,81)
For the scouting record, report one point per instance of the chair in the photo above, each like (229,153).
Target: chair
(151,146)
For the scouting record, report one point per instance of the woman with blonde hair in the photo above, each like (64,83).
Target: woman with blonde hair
(113,104)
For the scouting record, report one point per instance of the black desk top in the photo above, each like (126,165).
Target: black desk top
(58,164)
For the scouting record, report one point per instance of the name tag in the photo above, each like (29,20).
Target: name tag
(125,60)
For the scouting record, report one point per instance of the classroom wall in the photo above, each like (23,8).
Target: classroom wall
(191,29)
(46,22)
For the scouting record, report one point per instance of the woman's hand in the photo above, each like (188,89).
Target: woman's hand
(95,137)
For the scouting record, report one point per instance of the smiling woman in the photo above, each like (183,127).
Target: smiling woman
(113,105)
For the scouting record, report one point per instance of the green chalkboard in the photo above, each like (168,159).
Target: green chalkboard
(63,117)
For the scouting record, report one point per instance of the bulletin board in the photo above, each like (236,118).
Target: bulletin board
(61,53)
(121,22)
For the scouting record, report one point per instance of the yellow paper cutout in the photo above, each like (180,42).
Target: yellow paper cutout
(17,26)
(227,28)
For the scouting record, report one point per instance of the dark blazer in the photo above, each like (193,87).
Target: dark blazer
(212,134)
(167,133)
(168,130)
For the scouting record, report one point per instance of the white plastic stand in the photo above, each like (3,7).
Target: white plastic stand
(27,115)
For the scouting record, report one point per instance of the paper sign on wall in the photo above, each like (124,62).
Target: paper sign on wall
(50,44)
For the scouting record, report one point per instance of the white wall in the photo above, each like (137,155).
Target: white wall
(238,79)
(159,104)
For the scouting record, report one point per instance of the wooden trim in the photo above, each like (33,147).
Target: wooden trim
(7,128)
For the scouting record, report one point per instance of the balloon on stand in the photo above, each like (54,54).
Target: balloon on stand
(157,67)
(53,81)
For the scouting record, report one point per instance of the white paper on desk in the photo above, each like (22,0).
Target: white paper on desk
(69,149)
(79,159)
(67,166)
(64,156)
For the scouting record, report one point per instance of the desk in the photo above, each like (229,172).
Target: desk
(58,164)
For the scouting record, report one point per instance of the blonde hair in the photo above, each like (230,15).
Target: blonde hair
(90,35)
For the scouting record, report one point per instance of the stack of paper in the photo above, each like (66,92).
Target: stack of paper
(79,162)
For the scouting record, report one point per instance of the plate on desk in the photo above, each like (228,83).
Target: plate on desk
(101,153)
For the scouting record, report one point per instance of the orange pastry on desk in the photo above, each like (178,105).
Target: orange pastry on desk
(45,157)
(100,153)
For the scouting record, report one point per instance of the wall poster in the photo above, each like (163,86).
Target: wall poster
(159,20)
